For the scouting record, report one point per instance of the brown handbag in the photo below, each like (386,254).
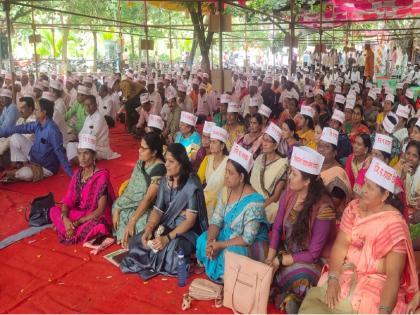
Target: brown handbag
(203,290)
(247,284)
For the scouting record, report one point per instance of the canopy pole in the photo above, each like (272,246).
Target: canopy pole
(34,38)
(272,49)
(146,33)
(320,32)
(222,77)
(292,36)
(170,38)
(246,41)
(140,54)
(6,7)
(121,54)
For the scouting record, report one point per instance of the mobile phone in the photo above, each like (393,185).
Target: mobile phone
(99,240)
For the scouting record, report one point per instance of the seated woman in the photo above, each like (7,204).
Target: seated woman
(371,268)
(362,147)
(252,141)
(212,169)
(289,138)
(204,150)
(358,126)
(131,209)
(410,175)
(305,126)
(220,117)
(382,148)
(252,110)
(177,219)
(233,125)
(332,173)
(269,173)
(187,136)
(86,210)
(301,231)
(226,230)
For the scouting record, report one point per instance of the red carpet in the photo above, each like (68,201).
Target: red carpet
(39,275)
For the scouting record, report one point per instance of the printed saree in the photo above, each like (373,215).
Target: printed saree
(264,179)
(127,203)
(81,200)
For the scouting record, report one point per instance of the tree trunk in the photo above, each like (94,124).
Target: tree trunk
(205,61)
(95,52)
(193,50)
(64,62)
(204,42)
(64,51)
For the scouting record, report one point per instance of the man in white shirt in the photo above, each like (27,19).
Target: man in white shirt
(253,96)
(203,107)
(184,101)
(155,97)
(26,88)
(105,106)
(95,124)
(355,74)
(71,91)
(88,82)
(26,109)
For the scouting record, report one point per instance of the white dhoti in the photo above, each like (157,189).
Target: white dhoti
(26,174)
(19,148)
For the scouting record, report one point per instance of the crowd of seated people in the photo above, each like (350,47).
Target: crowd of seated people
(319,179)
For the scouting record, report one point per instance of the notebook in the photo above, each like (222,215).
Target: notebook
(116,257)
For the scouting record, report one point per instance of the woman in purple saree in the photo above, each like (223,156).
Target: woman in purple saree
(86,210)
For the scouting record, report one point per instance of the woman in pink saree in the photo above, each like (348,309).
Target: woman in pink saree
(372,267)
(86,210)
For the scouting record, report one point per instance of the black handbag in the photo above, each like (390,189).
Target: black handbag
(40,210)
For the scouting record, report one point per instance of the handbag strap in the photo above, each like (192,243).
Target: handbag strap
(233,291)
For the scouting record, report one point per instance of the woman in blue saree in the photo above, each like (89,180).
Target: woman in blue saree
(177,219)
(238,223)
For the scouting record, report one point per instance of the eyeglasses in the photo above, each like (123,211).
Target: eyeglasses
(144,148)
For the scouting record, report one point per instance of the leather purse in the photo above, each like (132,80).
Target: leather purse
(247,284)
(39,214)
(203,290)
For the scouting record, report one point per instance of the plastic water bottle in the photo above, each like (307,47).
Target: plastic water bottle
(182,269)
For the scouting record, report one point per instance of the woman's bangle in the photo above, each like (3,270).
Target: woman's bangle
(384,308)
(332,277)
